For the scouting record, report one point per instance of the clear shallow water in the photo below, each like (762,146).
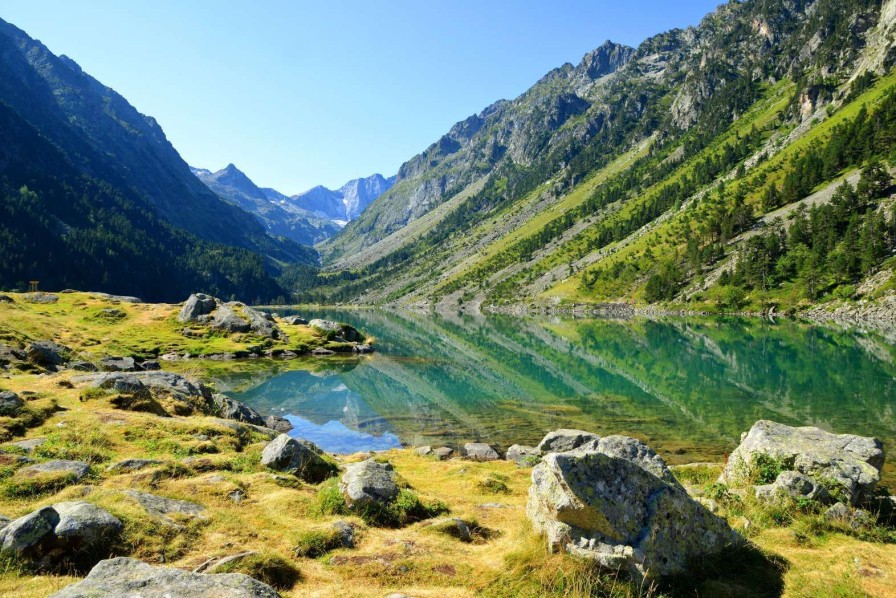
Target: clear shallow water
(687,387)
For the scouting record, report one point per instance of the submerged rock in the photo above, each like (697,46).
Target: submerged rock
(130,577)
(368,482)
(614,508)
(849,463)
(563,440)
(302,459)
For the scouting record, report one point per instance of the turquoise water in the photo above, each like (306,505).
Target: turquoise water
(687,387)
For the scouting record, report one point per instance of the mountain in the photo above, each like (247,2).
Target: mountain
(348,202)
(278,213)
(672,172)
(94,195)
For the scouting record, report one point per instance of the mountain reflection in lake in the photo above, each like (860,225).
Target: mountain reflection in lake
(688,387)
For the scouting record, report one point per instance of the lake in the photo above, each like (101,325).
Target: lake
(687,387)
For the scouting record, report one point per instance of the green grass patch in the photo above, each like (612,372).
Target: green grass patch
(407,507)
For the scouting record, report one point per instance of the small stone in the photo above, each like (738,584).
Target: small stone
(346,533)
(454,527)
(29,444)
(129,465)
(424,450)
(443,452)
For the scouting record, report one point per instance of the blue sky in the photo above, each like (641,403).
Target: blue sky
(299,93)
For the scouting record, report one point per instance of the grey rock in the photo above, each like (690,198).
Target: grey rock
(368,482)
(129,465)
(346,533)
(127,577)
(423,450)
(261,324)
(295,320)
(48,537)
(4,521)
(112,314)
(852,462)
(236,496)
(321,352)
(443,452)
(40,297)
(232,409)
(851,516)
(76,469)
(151,365)
(48,353)
(479,451)
(620,514)
(11,355)
(340,331)
(82,366)
(197,305)
(454,527)
(225,318)
(563,440)
(6,299)
(524,456)
(791,484)
(362,349)
(10,403)
(122,298)
(277,423)
(29,444)
(301,459)
(160,506)
(118,364)
(635,451)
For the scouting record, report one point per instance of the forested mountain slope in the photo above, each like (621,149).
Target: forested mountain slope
(92,195)
(654,174)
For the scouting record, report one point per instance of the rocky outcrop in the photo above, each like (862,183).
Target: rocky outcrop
(130,577)
(277,423)
(339,332)
(479,451)
(60,535)
(563,440)
(300,458)
(48,353)
(232,409)
(231,317)
(367,483)
(612,507)
(847,465)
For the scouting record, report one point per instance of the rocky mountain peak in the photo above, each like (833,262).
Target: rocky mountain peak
(606,59)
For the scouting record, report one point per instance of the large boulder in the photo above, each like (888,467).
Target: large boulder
(64,534)
(225,318)
(10,403)
(614,508)
(479,451)
(197,305)
(563,440)
(368,482)
(342,332)
(848,465)
(300,458)
(48,353)
(130,577)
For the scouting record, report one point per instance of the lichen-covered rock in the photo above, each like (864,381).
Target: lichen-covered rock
(791,484)
(635,451)
(301,459)
(75,469)
(524,456)
(613,509)
(163,507)
(563,440)
(10,403)
(848,464)
(479,451)
(277,423)
(423,451)
(368,482)
(57,535)
(295,320)
(197,305)
(130,577)
(225,318)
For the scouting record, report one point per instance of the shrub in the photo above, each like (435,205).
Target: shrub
(317,542)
